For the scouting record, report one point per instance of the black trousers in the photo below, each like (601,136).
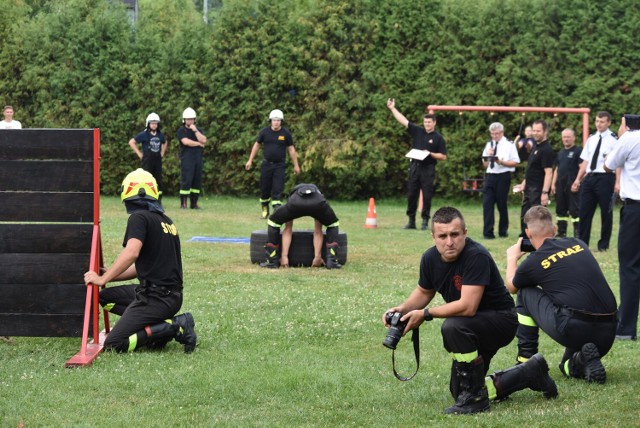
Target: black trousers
(629,258)
(532,197)
(191,172)
(420,178)
(596,190)
(152,163)
(567,202)
(495,192)
(560,325)
(272,181)
(138,308)
(313,206)
(485,332)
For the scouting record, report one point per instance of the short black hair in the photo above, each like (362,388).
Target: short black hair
(604,113)
(446,215)
(430,116)
(541,122)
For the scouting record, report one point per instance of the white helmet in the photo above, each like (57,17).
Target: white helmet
(153,117)
(276,114)
(188,113)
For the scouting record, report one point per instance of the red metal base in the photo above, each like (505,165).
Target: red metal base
(82,359)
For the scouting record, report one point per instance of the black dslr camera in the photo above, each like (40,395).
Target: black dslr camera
(632,121)
(396,328)
(526,247)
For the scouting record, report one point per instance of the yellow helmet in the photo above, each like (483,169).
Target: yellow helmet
(139,184)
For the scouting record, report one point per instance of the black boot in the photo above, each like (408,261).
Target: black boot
(183,202)
(158,335)
(533,374)
(184,333)
(576,229)
(194,201)
(586,365)
(472,396)
(273,256)
(562,229)
(425,223)
(412,223)
(332,256)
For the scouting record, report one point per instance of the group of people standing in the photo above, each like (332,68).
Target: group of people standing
(153,147)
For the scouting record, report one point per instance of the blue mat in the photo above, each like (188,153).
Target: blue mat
(214,239)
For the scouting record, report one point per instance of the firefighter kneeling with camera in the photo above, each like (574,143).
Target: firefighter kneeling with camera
(304,200)
(480,317)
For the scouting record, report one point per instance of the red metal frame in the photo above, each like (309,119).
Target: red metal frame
(89,350)
(555,110)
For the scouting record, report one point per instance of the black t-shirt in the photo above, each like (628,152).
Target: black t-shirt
(567,271)
(185,132)
(541,157)
(275,143)
(151,144)
(423,140)
(160,259)
(474,266)
(568,163)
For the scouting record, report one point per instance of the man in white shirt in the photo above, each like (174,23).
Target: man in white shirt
(500,157)
(626,156)
(599,185)
(8,122)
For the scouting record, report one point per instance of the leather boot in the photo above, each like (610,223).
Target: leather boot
(273,256)
(265,211)
(183,202)
(194,201)
(332,256)
(576,229)
(472,395)
(425,223)
(586,365)
(562,229)
(532,374)
(184,333)
(412,223)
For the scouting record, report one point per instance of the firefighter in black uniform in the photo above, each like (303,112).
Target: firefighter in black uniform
(304,200)
(152,254)
(539,174)
(192,141)
(422,173)
(277,142)
(479,314)
(562,291)
(564,174)
(154,146)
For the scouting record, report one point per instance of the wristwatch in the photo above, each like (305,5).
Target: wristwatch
(427,315)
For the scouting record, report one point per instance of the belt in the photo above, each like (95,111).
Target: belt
(588,316)
(630,201)
(159,288)
(589,174)
(272,162)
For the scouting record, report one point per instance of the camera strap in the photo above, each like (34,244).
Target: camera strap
(415,338)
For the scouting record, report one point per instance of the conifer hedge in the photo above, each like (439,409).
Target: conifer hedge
(329,65)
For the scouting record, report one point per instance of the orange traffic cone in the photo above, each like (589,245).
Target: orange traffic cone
(372,218)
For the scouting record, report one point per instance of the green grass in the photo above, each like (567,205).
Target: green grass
(294,347)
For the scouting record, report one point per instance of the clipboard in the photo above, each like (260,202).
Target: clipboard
(418,154)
